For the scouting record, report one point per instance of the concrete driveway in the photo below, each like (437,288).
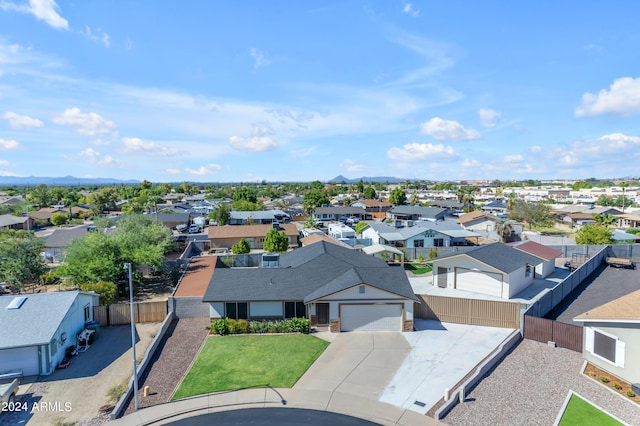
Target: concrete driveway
(358,364)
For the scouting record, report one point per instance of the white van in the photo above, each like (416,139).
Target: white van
(194,229)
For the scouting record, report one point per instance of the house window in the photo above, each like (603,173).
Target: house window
(605,346)
(438,242)
(361,289)
(87,313)
(418,243)
(295,310)
(527,271)
(237,310)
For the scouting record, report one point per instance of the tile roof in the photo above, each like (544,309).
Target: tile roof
(308,273)
(622,309)
(374,203)
(248,231)
(37,320)
(536,249)
(197,277)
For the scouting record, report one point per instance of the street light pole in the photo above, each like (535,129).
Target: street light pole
(127,266)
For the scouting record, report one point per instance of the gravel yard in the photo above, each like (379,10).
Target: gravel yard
(529,388)
(173,357)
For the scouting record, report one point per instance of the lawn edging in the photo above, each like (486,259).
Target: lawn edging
(566,403)
(123,402)
(193,361)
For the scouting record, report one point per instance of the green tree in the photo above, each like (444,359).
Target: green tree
(397,197)
(360,187)
(310,222)
(369,193)
(535,214)
(245,194)
(594,234)
(104,199)
(578,185)
(360,227)
(59,218)
(314,199)
(241,247)
(316,185)
(220,215)
(604,219)
(41,196)
(275,241)
(106,290)
(246,206)
(20,259)
(145,184)
(504,229)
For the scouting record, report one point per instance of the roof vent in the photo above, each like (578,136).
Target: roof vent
(17,302)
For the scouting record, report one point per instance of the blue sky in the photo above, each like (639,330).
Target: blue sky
(297,91)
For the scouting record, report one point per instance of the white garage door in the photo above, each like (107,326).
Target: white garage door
(25,359)
(371,317)
(479,282)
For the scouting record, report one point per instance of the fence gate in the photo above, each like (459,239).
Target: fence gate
(544,330)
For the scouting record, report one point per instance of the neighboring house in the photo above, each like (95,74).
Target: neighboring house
(340,231)
(171,220)
(56,243)
(589,209)
(314,238)
(479,221)
(496,207)
(421,234)
(578,219)
(37,328)
(333,286)
(612,337)
(10,201)
(451,205)
(340,214)
(375,208)
(9,221)
(259,217)
(629,220)
(417,212)
(227,235)
(547,256)
(493,269)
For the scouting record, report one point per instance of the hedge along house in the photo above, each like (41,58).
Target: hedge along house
(612,337)
(37,328)
(334,287)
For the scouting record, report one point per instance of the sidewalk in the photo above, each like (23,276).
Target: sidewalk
(337,402)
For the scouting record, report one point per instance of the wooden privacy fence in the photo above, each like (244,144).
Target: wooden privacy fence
(120,313)
(545,330)
(489,313)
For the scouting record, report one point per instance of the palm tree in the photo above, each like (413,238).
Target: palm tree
(623,185)
(604,219)
(504,229)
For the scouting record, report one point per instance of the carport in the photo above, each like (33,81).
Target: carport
(382,248)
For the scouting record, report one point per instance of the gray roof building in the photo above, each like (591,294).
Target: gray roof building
(500,256)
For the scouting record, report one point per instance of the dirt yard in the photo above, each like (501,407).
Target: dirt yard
(76,394)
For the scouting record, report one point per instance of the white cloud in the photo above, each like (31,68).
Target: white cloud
(4,163)
(137,145)
(173,171)
(208,169)
(96,157)
(417,151)
(442,130)
(17,121)
(254,143)
(7,144)
(408,8)
(515,158)
(488,117)
(470,163)
(622,98)
(99,36)
(535,148)
(88,124)
(351,166)
(259,60)
(620,140)
(44,10)
(6,173)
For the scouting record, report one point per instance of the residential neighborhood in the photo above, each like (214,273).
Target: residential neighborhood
(406,276)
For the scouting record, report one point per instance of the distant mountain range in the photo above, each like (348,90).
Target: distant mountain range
(383,179)
(61,181)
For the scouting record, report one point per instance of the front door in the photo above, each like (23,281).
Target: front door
(442,277)
(322,311)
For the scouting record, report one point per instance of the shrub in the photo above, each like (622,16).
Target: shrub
(433,253)
(300,325)
(220,326)
(604,379)
(592,374)
(630,394)
(50,277)
(106,290)
(240,326)
(116,392)
(617,385)
(421,257)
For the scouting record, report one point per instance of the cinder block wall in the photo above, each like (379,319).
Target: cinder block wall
(189,307)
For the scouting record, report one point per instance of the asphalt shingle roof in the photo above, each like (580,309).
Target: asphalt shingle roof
(62,237)
(500,256)
(306,274)
(419,210)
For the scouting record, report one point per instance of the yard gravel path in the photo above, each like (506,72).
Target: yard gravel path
(529,388)
(174,355)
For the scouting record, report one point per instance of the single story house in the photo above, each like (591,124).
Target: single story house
(496,207)
(9,221)
(417,212)
(340,214)
(375,208)
(494,269)
(37,328)
(258,217)
(629,220)
(579,219)
(421,234)
(171,220)
(612,337)
(56,243)
(547,256)
(227,235)
(333,286)
(479,221)
(451,205)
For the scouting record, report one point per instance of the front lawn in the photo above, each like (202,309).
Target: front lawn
(580,413)
(238,362)
(418,268)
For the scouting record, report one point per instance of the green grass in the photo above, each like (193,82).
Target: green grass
(418,268)
(546,230)
(238,362)
(580,413)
